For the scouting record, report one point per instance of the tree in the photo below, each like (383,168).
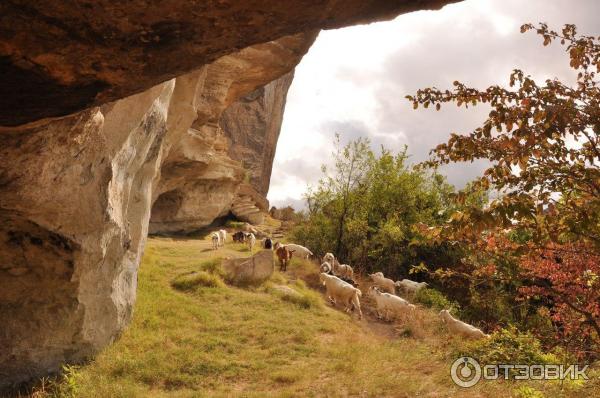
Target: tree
(544,148)
(367,208)
(568,276)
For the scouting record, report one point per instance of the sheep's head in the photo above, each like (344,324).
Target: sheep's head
(374,291)
(444,314)
(325,267)
(277,245)
(328,257)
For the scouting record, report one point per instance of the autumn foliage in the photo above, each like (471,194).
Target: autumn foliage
(568,277)
(540,239)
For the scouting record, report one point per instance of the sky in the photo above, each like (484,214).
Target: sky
(353,81)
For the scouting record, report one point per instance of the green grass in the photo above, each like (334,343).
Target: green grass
(193,336)
(194,280)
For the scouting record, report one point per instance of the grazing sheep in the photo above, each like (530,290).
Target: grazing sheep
(301,251)
(223,236)
(342,292)
(215,238)
(268,243)
(329,258)
(459,327)
(284,255)
(325,268)
(385,284)
(343,271)
(251,239)
(390,306)
(410,287)
(239,237)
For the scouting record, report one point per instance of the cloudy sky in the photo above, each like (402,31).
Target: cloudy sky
(353,81)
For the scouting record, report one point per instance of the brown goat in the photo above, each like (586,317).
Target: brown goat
(284,255)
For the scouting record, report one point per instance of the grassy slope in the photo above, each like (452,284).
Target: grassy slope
(226,341)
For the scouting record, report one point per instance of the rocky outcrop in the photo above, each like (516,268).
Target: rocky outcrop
(252,125)
(200,179)
(249,271)
(59,57)
(75,203)
(244,209)
(117,106)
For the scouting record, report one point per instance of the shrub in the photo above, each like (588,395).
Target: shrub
(194,280)
(434,299)
(509,346)
(234,224)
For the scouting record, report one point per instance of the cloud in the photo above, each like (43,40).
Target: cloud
(354,80)
(297,204)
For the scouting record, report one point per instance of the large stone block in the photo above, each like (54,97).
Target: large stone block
(249,271)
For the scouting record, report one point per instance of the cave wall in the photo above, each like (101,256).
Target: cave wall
(105,108)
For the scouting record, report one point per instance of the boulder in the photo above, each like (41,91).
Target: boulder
(251,270)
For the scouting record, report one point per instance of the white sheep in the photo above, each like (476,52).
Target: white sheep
(329,258)
(385,284)
(410,287)
(215,238)
(251,239)
(325,268)
(222,236)
(390,306)
(459,327)
(342,270)
(342,292)
(299,250)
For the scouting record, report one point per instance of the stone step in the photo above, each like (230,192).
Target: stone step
(247,214)
(246,201)
(243,207)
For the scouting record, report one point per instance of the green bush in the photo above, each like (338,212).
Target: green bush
(509,346)
(434,299)
(234,224)
(194,280)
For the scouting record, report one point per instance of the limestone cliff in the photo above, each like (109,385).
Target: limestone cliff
(200,178)
(107,108)
(252,124)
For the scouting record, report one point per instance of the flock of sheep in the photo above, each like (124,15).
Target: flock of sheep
(219,238)
(341,287)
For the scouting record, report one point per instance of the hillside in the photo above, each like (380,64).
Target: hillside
(196,341)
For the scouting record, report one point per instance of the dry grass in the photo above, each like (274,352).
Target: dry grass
(221,341)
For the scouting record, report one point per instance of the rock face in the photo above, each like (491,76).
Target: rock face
(75,194)
(59,57)
(250,271)
(79,174)
(199,179)
(253,124)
